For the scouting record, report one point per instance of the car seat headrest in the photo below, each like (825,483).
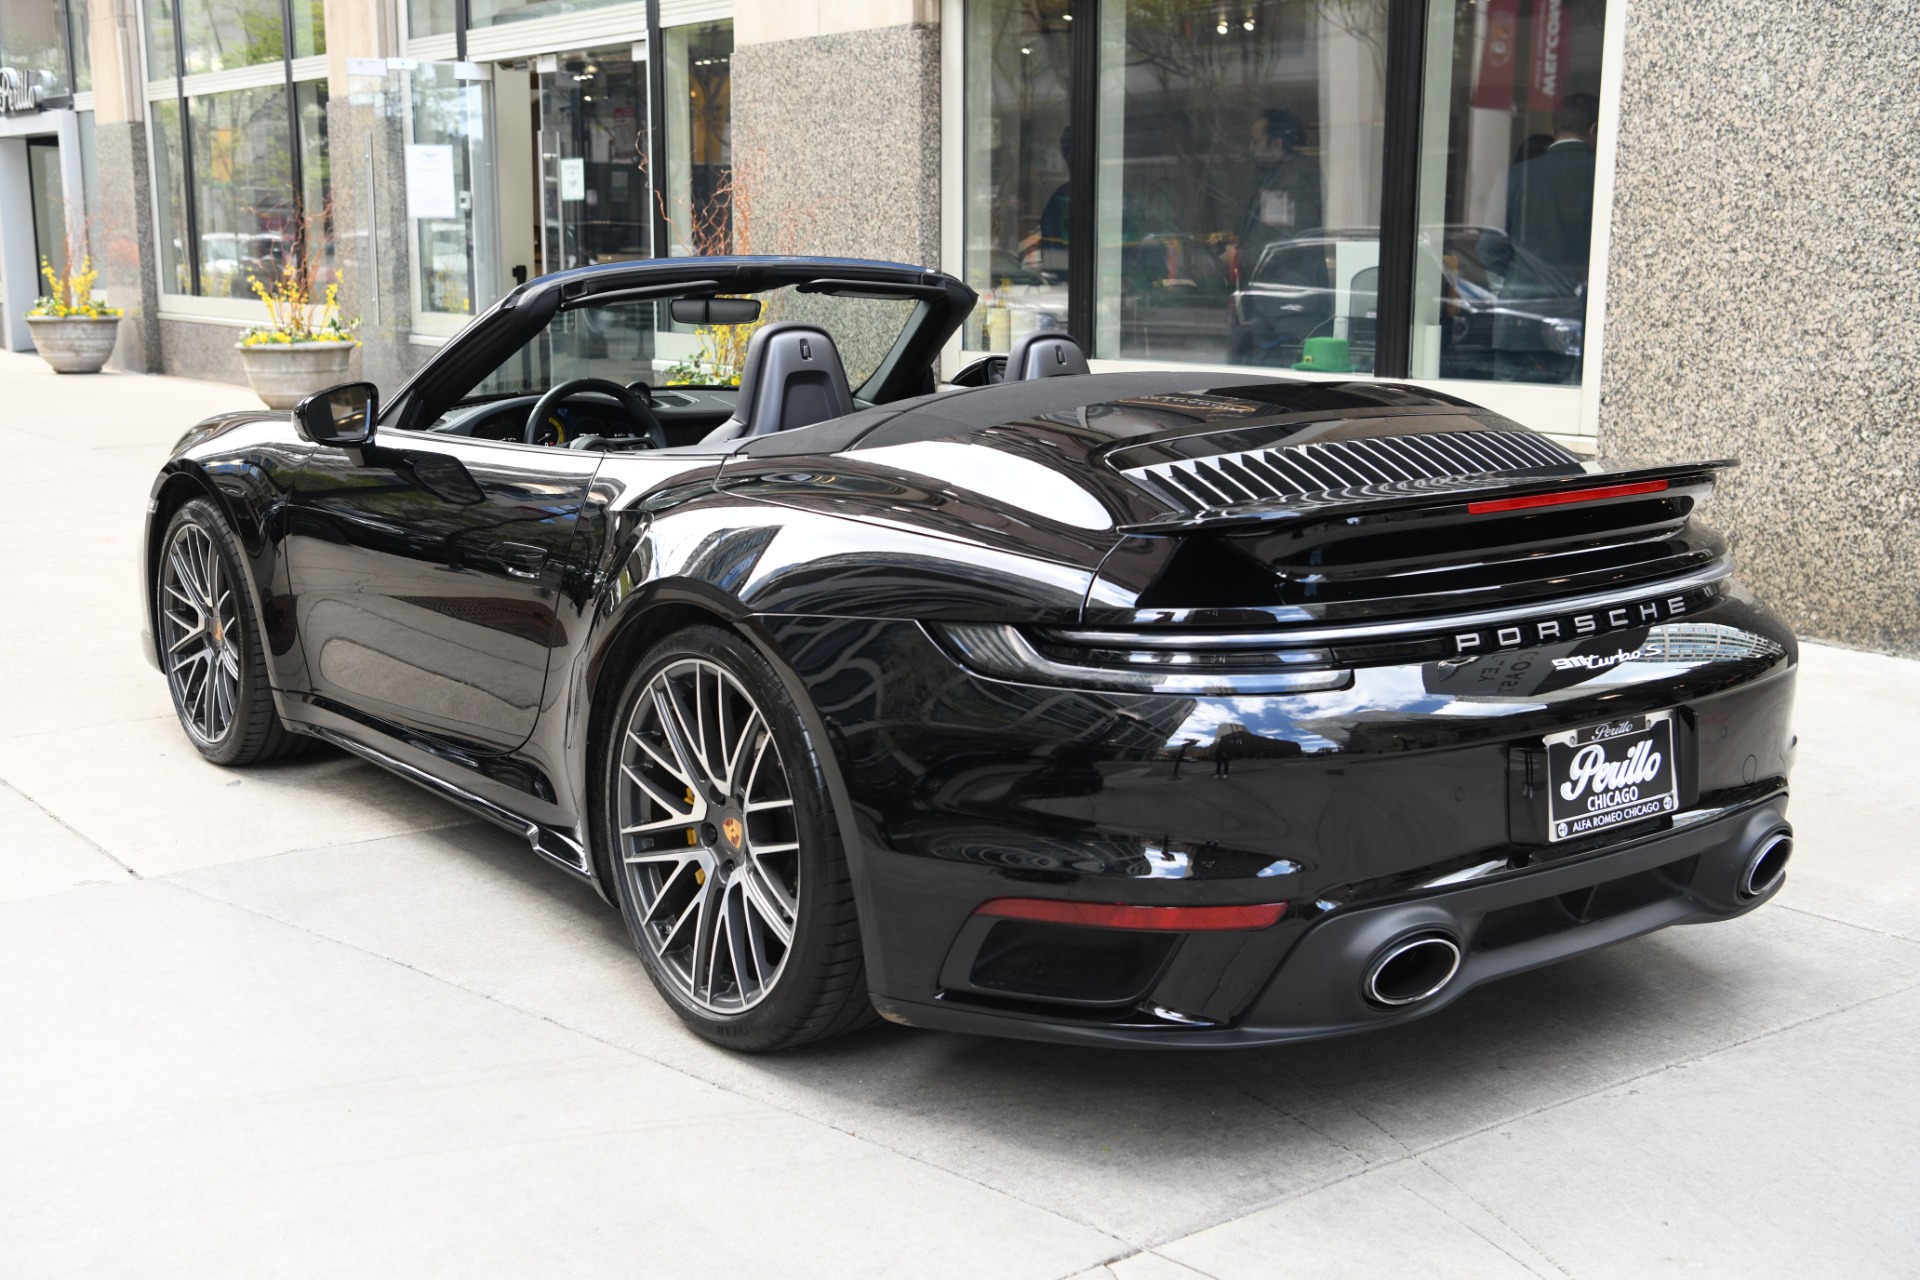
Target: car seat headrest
(791,377)
(1045,353)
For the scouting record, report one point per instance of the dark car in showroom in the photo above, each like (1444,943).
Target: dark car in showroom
(1153,708)
(1503,312)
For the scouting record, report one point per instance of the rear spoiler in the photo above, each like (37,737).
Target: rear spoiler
(1466,495)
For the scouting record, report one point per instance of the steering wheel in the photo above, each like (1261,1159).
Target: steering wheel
(632,401)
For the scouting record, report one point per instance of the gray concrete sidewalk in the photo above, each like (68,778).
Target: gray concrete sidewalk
(308,1021)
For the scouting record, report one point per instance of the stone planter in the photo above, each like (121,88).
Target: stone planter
(284,373)
(74,344)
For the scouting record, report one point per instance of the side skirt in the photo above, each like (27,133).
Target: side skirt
(558,847)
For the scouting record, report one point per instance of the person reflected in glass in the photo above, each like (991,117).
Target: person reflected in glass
(1054,215)
(1288,199)
(1542,252)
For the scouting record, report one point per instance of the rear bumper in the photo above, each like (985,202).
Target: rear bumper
(1688,874)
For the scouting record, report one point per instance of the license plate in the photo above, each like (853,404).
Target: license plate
(1607,775)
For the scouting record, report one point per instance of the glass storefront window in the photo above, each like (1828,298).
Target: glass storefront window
(219,35)
(244,205)
(1507,208)
(1240,166)
(309,28)
(310,114)
(488,13)
(159,19)
(33,41)
(701,213)
(79,40)
(429,18)
(593,125)
(1017,193)
(453,254)
(176,269)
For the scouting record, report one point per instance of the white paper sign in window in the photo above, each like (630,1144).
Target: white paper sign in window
(430,187)
(573,178)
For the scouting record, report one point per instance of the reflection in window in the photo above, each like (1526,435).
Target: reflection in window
(593,113)
(1240,163)
(1016,185)
(1507,211)
(429,18)
(244,205)
(310,113)
(80,41)
(488,13)
(160,63)
(699,91)
(176,271)
(452,262)
(309,28)
(219,35)
(33,40)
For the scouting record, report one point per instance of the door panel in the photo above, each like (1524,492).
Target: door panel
(424,582)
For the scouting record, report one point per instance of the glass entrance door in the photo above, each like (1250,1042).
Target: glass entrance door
(49,204)
(592,140)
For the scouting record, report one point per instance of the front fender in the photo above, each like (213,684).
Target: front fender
(246,466)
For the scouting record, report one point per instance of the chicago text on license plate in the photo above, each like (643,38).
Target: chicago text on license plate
(1607,775)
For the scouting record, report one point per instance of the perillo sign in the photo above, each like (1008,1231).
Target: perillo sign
(20,92)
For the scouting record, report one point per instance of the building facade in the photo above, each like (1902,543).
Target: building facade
(1594,216)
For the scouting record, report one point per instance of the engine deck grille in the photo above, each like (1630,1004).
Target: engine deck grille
(1195,485)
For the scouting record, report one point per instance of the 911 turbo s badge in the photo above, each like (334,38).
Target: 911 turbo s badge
(1561,628)
(1596,661)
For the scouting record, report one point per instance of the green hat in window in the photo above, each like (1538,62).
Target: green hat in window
(1324,355)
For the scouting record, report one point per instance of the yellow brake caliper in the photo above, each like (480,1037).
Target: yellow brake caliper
(693,837)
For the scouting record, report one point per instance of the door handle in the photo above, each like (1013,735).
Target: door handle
(518,558)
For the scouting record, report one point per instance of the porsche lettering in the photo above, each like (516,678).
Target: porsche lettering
(1570,626)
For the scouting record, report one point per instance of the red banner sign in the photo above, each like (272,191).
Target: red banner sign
(1494,88)
(1546,85)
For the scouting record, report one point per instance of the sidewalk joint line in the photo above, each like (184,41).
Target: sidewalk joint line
(59,821)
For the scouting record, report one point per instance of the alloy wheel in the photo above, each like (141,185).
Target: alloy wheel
(200,634)
(708,836)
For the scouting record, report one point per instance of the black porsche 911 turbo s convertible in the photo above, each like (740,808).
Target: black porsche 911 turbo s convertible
(1153,708)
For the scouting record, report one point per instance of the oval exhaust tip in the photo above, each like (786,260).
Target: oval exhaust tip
(1768,865)
(1413,970)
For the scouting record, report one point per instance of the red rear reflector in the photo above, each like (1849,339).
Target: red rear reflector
(1571,495)
(1107,915)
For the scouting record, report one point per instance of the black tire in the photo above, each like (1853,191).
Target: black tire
(818,986)
(234,723)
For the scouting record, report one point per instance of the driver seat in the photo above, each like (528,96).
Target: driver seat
(792,377)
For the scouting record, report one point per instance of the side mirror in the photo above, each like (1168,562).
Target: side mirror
(342,416)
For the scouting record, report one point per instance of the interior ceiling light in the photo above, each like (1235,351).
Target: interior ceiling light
(1222,28)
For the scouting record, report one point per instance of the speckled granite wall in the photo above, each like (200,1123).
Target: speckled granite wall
(123,239)
(1764,291)
(839,136)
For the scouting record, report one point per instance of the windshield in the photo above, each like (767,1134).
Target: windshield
(630,342)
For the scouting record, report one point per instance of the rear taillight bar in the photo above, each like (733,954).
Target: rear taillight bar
(1113,915)
(1561,499)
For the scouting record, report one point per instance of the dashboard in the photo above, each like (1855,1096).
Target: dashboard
(686,414)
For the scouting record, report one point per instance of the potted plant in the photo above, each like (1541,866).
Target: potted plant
(304,346)
(72,330)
